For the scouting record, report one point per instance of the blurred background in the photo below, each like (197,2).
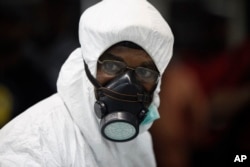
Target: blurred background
(205,90)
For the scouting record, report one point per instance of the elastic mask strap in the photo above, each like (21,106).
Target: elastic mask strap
(91,78)
(144,98)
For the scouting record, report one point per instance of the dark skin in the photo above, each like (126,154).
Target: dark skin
(132,58)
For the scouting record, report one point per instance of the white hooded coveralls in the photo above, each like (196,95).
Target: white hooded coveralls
(62,130)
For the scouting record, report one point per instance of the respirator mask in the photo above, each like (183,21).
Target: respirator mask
(122,104)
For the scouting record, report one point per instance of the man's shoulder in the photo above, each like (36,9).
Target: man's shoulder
(50,103)
(37,133)
(39,116)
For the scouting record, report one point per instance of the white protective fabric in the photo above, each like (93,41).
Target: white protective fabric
(63,130)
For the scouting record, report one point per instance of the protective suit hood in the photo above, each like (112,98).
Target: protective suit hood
(101,26)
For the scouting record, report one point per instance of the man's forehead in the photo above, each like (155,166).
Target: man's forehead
(129,44)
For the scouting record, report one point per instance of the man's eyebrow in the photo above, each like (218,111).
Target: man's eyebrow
(109,56)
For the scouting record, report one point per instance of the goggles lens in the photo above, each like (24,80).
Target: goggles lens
(113,67)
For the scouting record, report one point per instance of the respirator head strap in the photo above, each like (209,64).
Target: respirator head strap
(143,98)
(91,78)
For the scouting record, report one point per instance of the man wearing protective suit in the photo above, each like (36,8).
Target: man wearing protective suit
(107,95)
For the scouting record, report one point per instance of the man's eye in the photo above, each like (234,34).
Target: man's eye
(143,72)
(146,74)
(111,67)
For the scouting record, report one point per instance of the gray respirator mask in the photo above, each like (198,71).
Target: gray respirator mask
(121,105)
